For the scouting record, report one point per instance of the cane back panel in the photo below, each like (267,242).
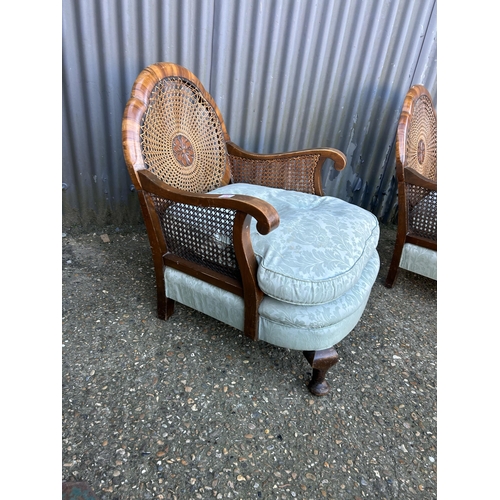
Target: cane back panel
(296,173)
(421,139)
(182,139)
(420,154)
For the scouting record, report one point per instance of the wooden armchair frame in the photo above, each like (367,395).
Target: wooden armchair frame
(283,170)
(161,189)
(416,172)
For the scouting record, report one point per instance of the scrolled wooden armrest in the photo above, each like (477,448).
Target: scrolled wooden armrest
(413,177)
(264,213)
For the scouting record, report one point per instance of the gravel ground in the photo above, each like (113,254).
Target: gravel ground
(190,408)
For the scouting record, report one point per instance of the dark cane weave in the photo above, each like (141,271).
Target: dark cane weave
(416,171)
(422,212)
(202,235)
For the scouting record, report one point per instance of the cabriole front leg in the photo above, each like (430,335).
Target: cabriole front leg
(321,362)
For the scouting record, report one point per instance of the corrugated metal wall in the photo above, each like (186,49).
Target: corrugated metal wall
(286,74)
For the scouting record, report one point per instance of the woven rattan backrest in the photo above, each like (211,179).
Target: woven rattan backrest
(416,148)
(417,133)
(173,128)
(181,137)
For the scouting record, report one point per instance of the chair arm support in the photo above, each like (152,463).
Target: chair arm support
(294,170)
(245,207)
(413,177)
(264,213)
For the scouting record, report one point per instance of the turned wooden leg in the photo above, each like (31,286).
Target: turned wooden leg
(321,362)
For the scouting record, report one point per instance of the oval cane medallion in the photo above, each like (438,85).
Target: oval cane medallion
(421,151)
(183,150)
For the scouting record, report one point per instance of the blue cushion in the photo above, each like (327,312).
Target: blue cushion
(319,250)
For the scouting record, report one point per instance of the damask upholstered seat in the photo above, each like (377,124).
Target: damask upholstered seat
(416,170)
(248,239)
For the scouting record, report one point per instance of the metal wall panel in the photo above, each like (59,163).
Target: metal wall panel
(286,74)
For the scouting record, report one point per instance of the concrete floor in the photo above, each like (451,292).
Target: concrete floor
(190,408)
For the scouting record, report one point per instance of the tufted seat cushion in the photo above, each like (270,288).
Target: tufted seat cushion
(298,269)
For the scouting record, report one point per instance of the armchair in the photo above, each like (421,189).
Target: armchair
(416,170)
(246,238)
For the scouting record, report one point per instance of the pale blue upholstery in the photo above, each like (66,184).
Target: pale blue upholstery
(287,325)
(318,251)
(316,288)
(321,326)
(419,260)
